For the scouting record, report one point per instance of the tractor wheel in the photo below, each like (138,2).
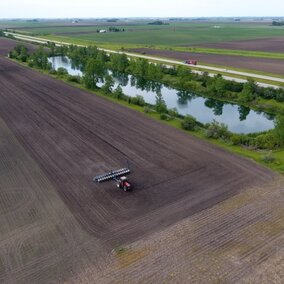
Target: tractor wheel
(125,188)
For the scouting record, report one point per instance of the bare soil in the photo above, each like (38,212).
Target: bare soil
(40,240)
(74,135)
(250,63)
(7,45)
(275,44)
(190,209)
(240,240)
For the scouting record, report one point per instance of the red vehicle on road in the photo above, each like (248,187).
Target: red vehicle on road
(191,62)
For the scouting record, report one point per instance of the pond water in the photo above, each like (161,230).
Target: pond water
(238,118)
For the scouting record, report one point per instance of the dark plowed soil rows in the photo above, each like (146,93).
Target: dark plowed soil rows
(251,63)
(74,135)
(7,45)
(275,44)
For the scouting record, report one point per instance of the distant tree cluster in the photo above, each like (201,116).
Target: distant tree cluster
(33,21)
(112,20)
(278,23)
(158,23)
(20,52)
(115,29)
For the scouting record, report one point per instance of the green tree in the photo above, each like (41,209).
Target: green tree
(138,100)
(154,72)
(218,130)
(94,72)
(20,52)
(23,56)
(161,106)
(118,93)
(140,67)
(40,59)
(189,123)
(102,57)
(108,85)
(119,62)
(244,112)
(183,74)
(62,71)
(248,93)
(279,129)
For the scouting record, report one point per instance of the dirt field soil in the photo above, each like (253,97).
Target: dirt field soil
(74,135)
(275,44)
(190,218)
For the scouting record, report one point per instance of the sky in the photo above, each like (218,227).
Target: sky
(141,8)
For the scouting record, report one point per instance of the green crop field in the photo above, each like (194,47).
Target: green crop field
(177,35)
(140,33)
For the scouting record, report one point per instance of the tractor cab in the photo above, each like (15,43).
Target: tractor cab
(123,183)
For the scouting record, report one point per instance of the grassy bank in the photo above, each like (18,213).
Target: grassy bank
(244,53)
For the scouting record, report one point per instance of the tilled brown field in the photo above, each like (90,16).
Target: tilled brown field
(74,135)
(58,226)
(250,63)
(275,44)
(40,240)
(7,45)
(240,240)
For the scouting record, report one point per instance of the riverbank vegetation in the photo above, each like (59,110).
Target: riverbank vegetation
(95,64)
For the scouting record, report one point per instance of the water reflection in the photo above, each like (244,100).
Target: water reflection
(239,119)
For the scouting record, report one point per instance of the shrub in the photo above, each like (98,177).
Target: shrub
(164,116)
(268,158)
(147,109)
(242,139)
(75,79)
(218,130)
(266,141)
(161,106)
(173,112)
(189,123)
(30,63)
(118,93)
(62,71)
(279,130)
(138,100)
(52,72)
(236,139)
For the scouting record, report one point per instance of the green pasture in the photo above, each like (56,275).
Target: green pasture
(137,33)
(181,35)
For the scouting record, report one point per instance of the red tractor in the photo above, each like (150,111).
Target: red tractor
(118,176)
(123,183)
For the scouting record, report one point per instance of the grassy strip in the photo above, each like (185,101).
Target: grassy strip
(257,72)
(277,165)
(90,42)
(244,53)
(115,46)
